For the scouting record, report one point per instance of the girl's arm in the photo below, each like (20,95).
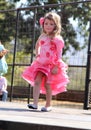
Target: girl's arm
(36,48)
(59,44)
(3,52)
(37,44)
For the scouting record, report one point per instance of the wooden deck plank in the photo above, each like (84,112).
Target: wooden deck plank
(59,117)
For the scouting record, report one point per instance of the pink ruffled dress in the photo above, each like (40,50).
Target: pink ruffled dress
(49,55)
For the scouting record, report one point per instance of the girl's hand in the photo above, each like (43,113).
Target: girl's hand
(3,52)
(54,70)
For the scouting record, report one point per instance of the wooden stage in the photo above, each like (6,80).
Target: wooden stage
(16,116)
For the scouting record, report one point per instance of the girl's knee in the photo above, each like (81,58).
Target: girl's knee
(37,83)
(47,87)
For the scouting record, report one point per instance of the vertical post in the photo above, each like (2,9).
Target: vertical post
(86,100)
(13,64)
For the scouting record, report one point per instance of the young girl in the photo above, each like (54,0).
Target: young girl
(48,72)
(3,64)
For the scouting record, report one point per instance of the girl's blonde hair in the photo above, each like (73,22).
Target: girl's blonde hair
(57,20)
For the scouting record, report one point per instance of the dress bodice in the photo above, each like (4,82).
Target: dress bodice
(49,50)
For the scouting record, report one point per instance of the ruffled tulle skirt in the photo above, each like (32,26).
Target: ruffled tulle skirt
(58,82)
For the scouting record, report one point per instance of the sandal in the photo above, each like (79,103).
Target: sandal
(46,109)
(32,106)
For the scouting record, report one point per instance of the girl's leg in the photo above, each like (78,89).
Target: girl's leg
(48,95)
(4,96)
(36,88)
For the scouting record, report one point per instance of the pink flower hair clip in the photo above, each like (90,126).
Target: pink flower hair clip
(41,21)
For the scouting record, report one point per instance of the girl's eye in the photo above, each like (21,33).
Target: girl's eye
(49,24)
(52,24)
(46,23)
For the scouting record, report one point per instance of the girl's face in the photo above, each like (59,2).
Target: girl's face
(49,26)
